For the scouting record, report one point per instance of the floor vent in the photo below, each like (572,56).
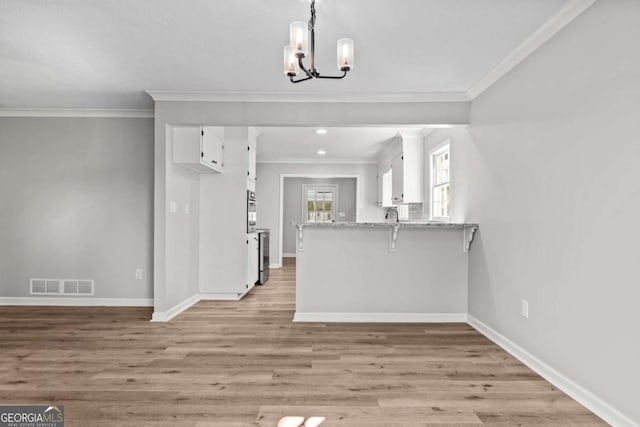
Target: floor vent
(68,287)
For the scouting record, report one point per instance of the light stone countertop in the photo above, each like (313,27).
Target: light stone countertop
(437,225)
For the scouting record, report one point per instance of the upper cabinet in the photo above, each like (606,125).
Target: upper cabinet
(405,159)
(199,148)
(251,172)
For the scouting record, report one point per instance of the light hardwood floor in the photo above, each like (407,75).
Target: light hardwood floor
(245,363)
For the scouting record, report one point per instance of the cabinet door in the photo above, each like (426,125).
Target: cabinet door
(251,172)
(252,258)
(212,149)
(397,179)
(387,188)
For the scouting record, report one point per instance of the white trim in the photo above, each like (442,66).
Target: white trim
(319,162)
(440,148)
(77,301)
(319,176)
(75,112)
(275,265)
(537,39)
(186,96)
(219,296)
(583,396)
(289,255)
(381,317)
(165,316)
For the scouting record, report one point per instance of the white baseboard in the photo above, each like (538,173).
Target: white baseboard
(77,301)
(293,255)
(165,316)
(219,296)
(562,382)
(275,265)
(381,317)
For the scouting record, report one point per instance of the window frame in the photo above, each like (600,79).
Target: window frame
(319,187)
(443,147)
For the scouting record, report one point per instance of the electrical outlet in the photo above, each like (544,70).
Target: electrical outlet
(139,274)
(524,308)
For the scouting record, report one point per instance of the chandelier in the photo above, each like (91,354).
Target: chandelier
(296,51)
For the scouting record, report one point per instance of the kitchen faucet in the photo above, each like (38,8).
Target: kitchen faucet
(390,211)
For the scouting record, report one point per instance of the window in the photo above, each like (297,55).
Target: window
(440,182)
(319,203)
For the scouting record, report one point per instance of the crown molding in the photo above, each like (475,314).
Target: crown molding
(307,97)
(537,39)
(318,162)
(75,112)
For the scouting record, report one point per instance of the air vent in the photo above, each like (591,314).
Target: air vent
(67,287)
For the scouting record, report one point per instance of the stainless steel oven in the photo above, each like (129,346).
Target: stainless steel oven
(251,211)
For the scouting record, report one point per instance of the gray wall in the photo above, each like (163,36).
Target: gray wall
(268,192)
(292,203)
(77,202)
(554,159)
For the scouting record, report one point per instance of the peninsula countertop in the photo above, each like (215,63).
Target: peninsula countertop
(433,224)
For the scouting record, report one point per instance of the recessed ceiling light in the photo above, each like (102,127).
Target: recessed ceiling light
(321,131)
(321,152)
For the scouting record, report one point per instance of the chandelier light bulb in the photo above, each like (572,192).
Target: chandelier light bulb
(299,37)
(290,61)
(345,54)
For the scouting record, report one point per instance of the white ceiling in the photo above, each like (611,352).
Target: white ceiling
(342,144)
(106,53)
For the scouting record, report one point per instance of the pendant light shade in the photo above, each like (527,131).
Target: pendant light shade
(290,61)
(345,54)
(299,37)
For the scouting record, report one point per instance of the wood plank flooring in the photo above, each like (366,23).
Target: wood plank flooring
(245,363)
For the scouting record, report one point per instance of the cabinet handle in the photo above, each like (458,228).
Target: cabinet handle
(215,162)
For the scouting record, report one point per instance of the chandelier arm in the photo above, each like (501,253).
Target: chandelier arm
(332,77)
(312,30)
(300,80)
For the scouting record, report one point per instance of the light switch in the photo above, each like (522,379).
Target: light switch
(342,214)
(173,207)
(187,208)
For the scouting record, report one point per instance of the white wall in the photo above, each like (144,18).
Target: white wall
(554,182)
(268,192)
(292,205)
(77,202)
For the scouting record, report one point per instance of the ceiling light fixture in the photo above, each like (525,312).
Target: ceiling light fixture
(299,32)
(321,131)
(321,152)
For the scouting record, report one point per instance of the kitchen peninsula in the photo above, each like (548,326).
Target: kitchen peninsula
(382,272)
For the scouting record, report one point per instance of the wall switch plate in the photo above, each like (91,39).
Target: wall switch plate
(139,274)
(187,208)
(342,214)
(173,207)
(524,309)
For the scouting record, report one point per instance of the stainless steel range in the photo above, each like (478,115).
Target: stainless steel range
(263,256)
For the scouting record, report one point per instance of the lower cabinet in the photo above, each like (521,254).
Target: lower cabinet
(252,259)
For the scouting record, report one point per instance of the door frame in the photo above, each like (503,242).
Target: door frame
(309,175)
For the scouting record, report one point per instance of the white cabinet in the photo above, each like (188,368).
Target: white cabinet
(397,180)
(199,148)
(252,258)
(251,172)
(387,189)
(408,173)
